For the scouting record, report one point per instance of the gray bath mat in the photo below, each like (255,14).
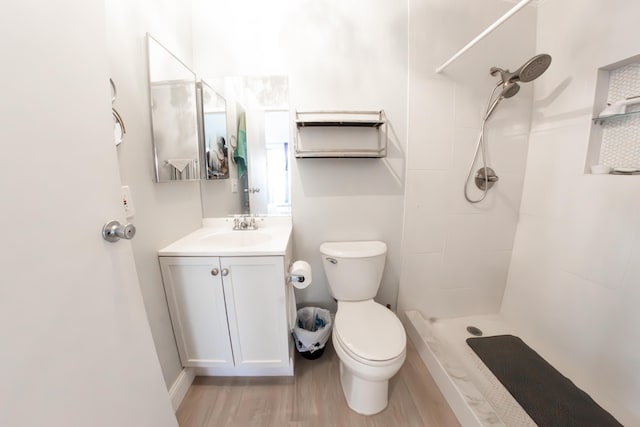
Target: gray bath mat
(545,394)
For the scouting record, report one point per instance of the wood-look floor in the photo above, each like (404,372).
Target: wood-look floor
(313,397)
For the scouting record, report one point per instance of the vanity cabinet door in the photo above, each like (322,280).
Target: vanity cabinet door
(195,296)
(255,294)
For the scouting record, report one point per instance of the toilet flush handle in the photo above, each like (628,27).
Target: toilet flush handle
(332,260)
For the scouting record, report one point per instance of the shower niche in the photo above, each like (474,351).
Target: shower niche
(614,143)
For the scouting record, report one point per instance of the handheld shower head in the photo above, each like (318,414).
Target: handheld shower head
(509,89)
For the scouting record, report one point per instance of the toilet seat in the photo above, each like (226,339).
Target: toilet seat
(337,342)
(369,332)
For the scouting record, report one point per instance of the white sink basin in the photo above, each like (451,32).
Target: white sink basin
(216,238)
(236,238)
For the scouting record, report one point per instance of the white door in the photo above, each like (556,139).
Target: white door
(196,301)
(254,290)
(76,345)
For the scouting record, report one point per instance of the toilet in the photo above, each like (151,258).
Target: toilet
(368,338)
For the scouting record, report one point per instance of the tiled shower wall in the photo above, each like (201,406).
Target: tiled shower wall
(455,254)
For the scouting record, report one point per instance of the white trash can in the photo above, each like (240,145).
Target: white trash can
(312,331)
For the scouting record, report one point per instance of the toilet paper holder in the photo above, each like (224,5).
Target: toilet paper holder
(299,279)
(295,278)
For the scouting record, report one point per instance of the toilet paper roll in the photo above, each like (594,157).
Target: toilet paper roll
(301,269)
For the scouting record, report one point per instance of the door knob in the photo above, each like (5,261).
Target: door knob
(252,190)
(215,272)
(225,271)
(114,231)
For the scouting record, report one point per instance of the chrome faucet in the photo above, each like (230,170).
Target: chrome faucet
(244,222)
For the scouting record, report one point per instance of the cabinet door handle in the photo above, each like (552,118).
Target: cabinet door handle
(215,272)
(225,271)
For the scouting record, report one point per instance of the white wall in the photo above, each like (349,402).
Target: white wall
(336,57)
(455,254)
(575,273)
(167,211)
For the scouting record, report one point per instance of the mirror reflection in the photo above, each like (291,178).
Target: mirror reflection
(172,90)
(213,132)
(259,141)
(219,128)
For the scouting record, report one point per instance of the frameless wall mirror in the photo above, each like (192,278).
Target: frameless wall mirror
(212,120)
(172,89)
(259,136)
(264,111)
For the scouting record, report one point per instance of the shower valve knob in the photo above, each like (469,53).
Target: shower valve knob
(486,178)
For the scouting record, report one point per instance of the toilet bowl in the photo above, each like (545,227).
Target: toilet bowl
(371,345)
(368,338)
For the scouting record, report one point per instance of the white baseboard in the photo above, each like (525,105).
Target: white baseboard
(246,371)
(180,387)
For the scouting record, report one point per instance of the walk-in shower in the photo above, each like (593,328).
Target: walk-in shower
(506,87)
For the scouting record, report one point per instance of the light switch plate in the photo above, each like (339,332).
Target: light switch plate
(127,202)
(234,185)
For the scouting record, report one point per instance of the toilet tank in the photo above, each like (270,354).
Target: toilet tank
(353,269)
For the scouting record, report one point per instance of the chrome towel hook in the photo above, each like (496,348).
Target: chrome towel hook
(118,123)
(114,92)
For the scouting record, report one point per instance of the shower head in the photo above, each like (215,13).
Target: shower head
(531,70)
(534,68)
(509,89)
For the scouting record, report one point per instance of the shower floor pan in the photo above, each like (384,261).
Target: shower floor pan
(476,396)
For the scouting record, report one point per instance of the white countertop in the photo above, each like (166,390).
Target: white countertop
(217,238)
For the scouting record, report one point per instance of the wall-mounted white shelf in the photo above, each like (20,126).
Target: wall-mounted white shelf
(341,134)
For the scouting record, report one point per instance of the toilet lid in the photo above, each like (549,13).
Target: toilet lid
(369,330)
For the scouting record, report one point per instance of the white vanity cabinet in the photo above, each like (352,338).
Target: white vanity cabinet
(229,313)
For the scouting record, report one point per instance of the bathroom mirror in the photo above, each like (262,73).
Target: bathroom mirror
(259,136)
(212,120)
(172,89)
(218,128)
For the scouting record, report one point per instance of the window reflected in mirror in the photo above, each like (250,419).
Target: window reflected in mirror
(276,125)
